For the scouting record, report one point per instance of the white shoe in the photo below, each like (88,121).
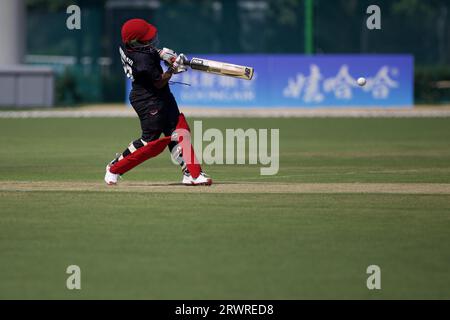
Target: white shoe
(111,178)
(201,180)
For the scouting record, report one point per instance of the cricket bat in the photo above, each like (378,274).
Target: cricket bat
(220,68)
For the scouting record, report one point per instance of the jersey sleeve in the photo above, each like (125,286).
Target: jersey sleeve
(149,68)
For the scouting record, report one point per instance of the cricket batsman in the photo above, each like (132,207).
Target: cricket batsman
(155,106)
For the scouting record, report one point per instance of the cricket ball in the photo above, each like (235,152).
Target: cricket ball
(361,81)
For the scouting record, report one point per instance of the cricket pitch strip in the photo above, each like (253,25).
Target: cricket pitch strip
(227,187)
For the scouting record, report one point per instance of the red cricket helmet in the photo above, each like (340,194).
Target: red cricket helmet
(138,29)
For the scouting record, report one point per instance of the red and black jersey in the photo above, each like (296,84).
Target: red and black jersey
(143,67)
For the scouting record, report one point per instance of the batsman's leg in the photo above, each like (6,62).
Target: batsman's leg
(140,150)
(181,149)
(148,150)
(173,113)
(193,174)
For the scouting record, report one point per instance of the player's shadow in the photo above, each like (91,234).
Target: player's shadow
(152,184)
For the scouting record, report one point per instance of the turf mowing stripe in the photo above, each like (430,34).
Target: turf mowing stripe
(230,187)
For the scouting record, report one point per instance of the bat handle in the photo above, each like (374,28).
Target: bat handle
(185,61)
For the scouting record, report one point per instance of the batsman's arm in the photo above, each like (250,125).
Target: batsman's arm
(165,77)
(176,67)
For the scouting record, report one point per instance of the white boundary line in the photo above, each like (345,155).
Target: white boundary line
(124,112)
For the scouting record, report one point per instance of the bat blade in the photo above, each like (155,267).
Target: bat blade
(222,68)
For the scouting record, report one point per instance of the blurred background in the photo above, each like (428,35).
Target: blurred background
(87,66)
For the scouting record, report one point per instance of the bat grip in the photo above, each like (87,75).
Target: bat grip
(187,62)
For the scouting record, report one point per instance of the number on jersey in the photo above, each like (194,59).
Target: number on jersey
(126,63)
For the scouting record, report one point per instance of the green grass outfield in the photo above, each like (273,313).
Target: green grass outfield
(213,243)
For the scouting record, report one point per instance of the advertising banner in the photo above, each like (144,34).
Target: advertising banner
(302,81)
